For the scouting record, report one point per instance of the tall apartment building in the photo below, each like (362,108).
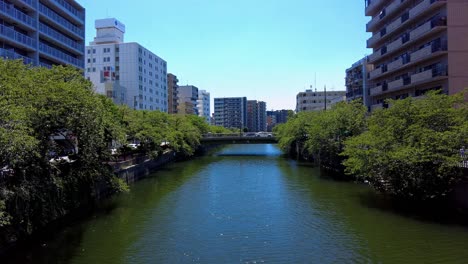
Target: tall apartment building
(315,101)
(188,96)
(172,93)
(276,117)
(230,112)
(256,116)
(43,33)
(203,105)
(126,72)
(357,86)
(418,45)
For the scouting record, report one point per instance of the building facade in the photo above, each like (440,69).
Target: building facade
(172,93)
(43,33)
(418,45)
(188,96)
(256,116)
(203,105)
(276,117)
(230,112)
(357,87)
(126,72)
(315,101)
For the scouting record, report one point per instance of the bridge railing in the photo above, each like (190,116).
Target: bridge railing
(247,134)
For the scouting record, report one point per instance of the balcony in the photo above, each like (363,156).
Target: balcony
(17,37)
(395,85)
(78,14)
(422,76)
(376,90)
(10,11)
(424,52)
(60,21)
(395,64)
(59,37)
(373,6)
(388,11)
(426,27)
(60,56)
(7,54)
(371,42)
(377,72)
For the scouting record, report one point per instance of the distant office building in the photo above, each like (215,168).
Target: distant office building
(315,101)
(126,72)
(172,93)
(231,112)
(256,116)
(357,86)
(188,96)
(203,105)
(43,33)
(276,117)
(417,46)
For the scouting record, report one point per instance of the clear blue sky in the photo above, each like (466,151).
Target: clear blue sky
(267,50)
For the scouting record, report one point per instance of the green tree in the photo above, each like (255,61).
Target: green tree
(411,149)
(327,130)
(45,113)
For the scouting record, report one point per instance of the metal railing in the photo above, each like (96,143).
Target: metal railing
(60,55)
(60,37)
(8,54)
(18,37)
(60,20)
(11,11)
(77,13)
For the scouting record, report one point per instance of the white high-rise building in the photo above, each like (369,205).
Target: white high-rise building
(126,72)
(203,105)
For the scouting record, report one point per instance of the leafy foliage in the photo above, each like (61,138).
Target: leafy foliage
(411,149)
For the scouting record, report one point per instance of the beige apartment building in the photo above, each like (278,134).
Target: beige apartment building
(418,45)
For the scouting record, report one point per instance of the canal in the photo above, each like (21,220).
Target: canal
(249,204)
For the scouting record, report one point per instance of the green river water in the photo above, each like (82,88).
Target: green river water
(249,204)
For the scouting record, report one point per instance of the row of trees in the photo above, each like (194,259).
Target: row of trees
(39,106)
(409,150)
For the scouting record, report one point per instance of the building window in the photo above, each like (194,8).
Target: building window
(94,51)
(89,60)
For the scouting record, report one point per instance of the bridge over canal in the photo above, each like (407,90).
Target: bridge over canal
(240,138)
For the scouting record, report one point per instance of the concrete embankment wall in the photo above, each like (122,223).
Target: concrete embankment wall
(133,170)
(141,170)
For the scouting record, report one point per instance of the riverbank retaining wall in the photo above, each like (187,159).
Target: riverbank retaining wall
(141,170)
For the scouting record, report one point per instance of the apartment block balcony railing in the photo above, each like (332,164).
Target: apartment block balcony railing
(423,6)
(373,6)
(8,54)
(395,64)
(54,34)
(49,13)
(31,3)
(408,38)
(61,56)
(10,11)
(17,37)
(386,12)
(400,21)
(376,90)
(79,14)
(395,85)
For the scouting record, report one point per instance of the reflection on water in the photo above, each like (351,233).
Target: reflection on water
(248,204)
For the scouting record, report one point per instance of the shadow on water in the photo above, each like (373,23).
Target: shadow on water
(62,241)
(441,211)
(438,212)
